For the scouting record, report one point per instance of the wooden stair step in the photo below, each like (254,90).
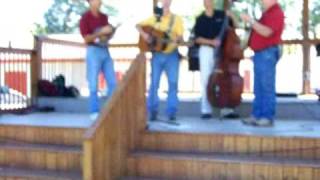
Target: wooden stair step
(152,178)
(219,166)
(31,174)
(41,134)
(228,158)
(277,146)
(143,178)
(40,156)
(12,144)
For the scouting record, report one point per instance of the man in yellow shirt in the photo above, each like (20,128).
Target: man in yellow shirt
(167,60)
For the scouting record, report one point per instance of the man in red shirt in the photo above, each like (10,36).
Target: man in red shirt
(264,41)
(96,31)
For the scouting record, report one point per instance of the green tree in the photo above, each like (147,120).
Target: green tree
(314,18)
(64,15)
(254,8)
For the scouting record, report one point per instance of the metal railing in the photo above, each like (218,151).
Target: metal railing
(15,84)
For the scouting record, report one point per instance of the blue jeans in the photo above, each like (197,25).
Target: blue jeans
(98,59)
(264,82)
(170,64)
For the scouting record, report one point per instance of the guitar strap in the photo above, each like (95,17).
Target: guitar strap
(171,23)
(170,27)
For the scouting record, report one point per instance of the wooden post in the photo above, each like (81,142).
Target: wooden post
(306,48)
(226,4)
(154,4)
(87,167)
(142,91)
(35,68)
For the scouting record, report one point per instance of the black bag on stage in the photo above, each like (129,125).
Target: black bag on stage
(193,57)
(318,49)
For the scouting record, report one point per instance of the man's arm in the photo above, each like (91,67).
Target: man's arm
(144,35)
(261,29)
(209,42)
(105,30)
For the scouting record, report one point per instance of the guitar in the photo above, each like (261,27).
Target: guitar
(158,43)
(104,40)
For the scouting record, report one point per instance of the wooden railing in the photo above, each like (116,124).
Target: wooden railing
(65,58)
(21,69)
(68,59)
(107,142)
(75,73)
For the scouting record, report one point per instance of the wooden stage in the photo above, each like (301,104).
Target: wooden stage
(183,124)
(50,146)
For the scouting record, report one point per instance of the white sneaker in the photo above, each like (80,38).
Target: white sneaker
(94,116)
(264,122)
(226,111)
(250,120)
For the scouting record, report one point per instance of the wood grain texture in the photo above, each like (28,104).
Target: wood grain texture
(117,131)
(175,165)
(270,146)
(43,157)
(42,135)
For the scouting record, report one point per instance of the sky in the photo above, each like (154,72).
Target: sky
(17,18)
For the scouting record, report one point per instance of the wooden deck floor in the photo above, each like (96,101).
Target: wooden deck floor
(185,124)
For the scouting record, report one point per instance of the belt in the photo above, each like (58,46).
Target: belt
(97,45)
(273,46)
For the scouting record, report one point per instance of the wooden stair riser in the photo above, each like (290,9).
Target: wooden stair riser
(41,159)
(7,173)
(45,135)
(291,147)
(209,170)
(33,178)
(141,178)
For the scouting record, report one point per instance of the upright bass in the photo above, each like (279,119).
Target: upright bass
(225,84)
